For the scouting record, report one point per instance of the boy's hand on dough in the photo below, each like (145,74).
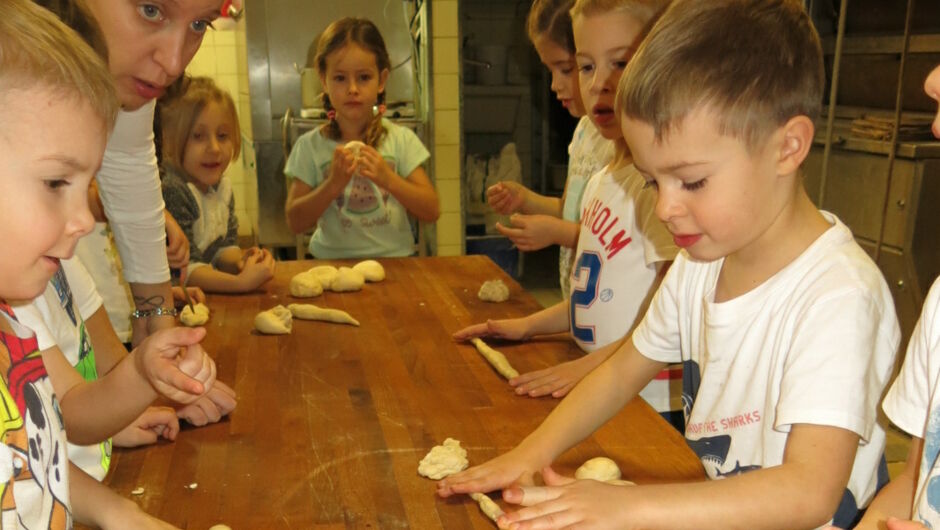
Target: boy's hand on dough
(510,329)
(556,380)
(148,427)
(175,364)
(508,469)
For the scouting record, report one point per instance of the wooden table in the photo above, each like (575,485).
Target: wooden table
(332,420)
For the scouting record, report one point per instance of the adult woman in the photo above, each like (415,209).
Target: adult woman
(148,45)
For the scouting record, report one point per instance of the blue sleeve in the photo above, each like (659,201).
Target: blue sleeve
(303,164)
(411,153)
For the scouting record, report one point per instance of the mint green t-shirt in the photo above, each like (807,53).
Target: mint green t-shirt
(365,220)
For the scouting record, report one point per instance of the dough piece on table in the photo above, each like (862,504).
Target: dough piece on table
(312,312)
(348,280)
(326,274)
(443,460)
(305,285)
(488,506)
(274,321)
(495,358)
(195,316)
(372,270)
(601,469)
(493,291)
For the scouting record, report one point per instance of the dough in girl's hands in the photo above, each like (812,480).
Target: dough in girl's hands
(305,285)
(326,274)
(493,291)
(274,321)
(348,279)
(195,316)
(371,269)
(354,147)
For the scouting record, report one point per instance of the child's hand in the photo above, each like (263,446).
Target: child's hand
(177,246)
(148,427)
(512,468)
(511,329)
(373,167)
(129,515)
(556,380)
(569,503)
(894,523)
(531,232)
(210,408)
(342,168)
(175,364)
(195,293)
(257,269)
(507,197)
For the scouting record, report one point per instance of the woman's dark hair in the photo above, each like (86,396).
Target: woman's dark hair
(363,33)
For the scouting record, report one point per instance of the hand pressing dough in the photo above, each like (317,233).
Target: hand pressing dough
(601,469)
(274,321)
(312,312)
(371,269)
(443,460)
(354,147)
(326,274)
(305,285)
(348,280)
(221,527)
(495,358)
(493,291)
(488,506)
(195,316)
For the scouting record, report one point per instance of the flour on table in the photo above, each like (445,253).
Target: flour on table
(444,460)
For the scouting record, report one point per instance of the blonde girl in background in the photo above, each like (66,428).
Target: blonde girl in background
(200,139)
(538,220)
(357,196)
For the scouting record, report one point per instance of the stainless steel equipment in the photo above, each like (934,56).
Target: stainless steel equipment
(279,33)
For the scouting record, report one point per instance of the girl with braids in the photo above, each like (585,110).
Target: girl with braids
(357,177)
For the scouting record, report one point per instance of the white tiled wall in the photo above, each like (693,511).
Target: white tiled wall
(445,156)
(223,57)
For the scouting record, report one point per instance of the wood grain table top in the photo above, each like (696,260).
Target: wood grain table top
(332,420)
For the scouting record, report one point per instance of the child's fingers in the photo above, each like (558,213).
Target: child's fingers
(530,495)
(512,233)
(222,397)
(469,332)
(552,478)
(169,341)
(894,523)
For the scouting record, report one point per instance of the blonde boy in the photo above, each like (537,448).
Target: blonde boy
(784,325)
(57,105)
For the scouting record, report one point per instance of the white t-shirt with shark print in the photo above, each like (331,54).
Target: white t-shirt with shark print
(813,344)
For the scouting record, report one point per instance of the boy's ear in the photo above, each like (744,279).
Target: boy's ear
(797,140)
(383,77)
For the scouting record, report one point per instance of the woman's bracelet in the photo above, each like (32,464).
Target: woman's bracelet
(155,312)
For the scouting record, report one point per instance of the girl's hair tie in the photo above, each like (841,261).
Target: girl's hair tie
(378,110)
(331,114)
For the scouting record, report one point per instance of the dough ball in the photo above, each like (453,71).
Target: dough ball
(371,269)
(326,274)
(443,460)
(197,316)
(601,468)
(220,527)
(493,291)
(274,321)
(348,280)
(305,285)
(354,147)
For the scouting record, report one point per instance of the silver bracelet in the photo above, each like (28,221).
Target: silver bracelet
(156,312)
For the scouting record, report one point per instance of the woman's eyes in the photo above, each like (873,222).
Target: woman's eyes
(150,12)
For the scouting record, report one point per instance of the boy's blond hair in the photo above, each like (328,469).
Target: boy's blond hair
(38,51)
(754,64)
(178,117)
(643,10)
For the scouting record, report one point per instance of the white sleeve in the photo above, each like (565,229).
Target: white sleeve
(908,402)
(839,361)
(129,185)
(657,335)
(32,315)
(84,292)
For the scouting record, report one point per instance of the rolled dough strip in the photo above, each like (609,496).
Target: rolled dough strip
(274,321)
(488,506)
(312,312)
(495,358)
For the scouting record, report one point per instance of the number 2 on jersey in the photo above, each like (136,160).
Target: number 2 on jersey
(584,280)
